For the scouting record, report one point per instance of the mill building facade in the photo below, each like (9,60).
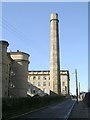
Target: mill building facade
(39,83)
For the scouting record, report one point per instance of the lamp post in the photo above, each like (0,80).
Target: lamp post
(76,84)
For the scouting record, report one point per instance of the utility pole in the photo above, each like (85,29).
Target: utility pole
(79,89)
(76,84)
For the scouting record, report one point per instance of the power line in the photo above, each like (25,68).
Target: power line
(17,31)
(19,34)
(13,27)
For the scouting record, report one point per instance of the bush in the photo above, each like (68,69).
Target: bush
(87,99)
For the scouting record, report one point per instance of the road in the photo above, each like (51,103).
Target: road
(60,110)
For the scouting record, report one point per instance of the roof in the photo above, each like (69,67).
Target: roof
(18,52)
(8,54)
(46,71)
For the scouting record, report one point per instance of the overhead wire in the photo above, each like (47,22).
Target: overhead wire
(11,28)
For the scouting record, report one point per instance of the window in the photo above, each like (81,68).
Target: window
(63,83)
(44,90)
(49,92)
(29,90)
(12,85)
(63,77)
(38,77)
(39,91)
(34,77)
(29,77)
(7,69)
(33,91)
(5,93)
(12,73)
(44,83)
(44,77)
(39,84)
(29,83)
(33,83)
(65,88)
(8,92)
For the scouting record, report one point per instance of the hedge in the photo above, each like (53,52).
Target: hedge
(14,106)
(87,99)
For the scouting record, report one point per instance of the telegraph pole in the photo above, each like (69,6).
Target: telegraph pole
(79,89)
(76,84)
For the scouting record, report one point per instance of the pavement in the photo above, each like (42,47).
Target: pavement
(80,110)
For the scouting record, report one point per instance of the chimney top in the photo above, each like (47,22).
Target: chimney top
(18,51)
(54,16)
(3,42)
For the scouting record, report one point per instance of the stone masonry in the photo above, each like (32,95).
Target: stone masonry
(54,54)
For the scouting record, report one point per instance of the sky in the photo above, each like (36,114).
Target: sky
(26,26)
(45,0)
